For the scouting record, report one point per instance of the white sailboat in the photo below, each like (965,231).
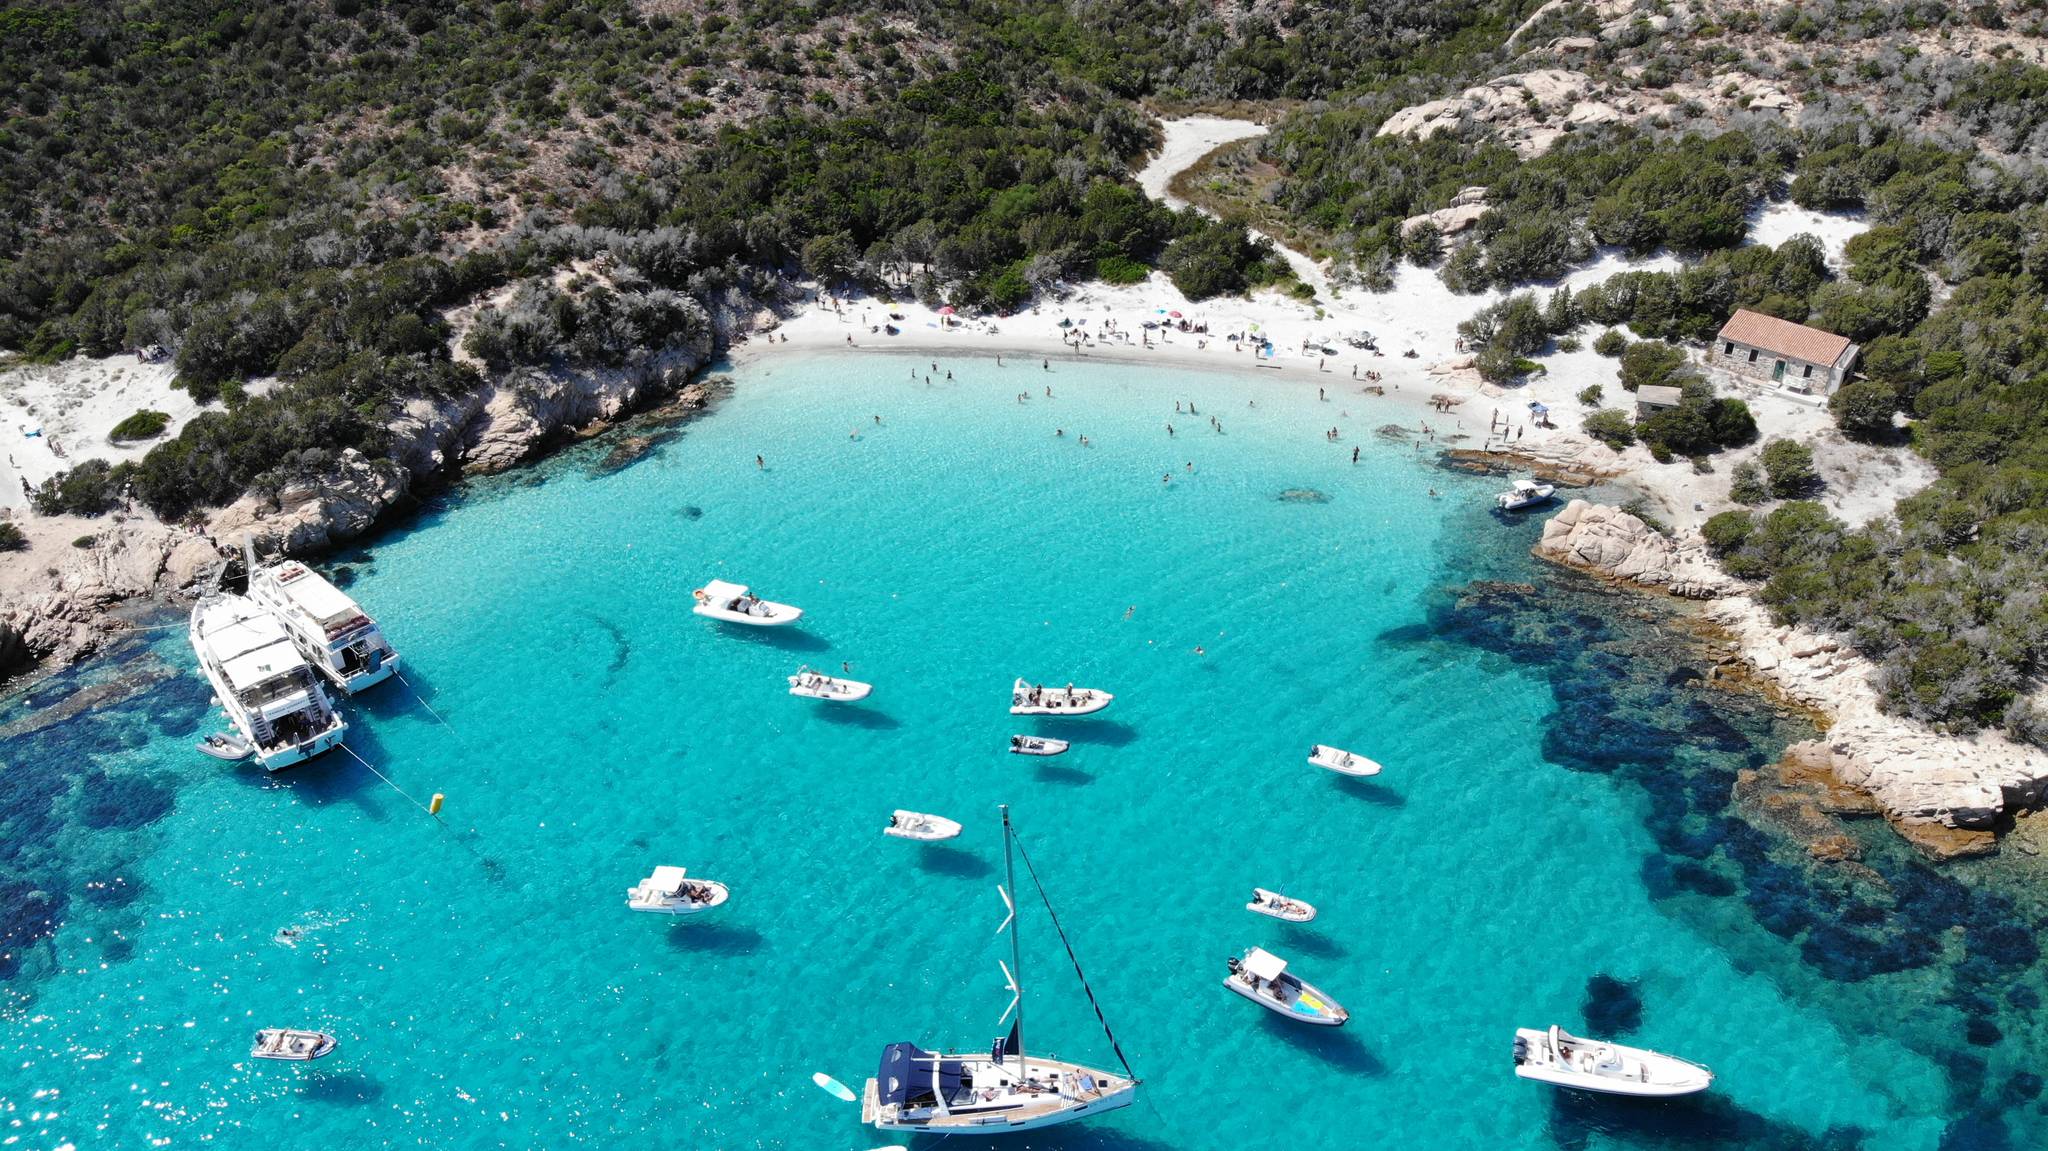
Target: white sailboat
(670,891)
(817,685)
(1032,699)
(1524,494)
(1280,907)
(1263,978)
(999,1091)
(918,825)
(1343,762)
(331,630)
(732,603)
(1564,1060)
(262,682)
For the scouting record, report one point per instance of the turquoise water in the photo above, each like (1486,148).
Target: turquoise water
(489,988)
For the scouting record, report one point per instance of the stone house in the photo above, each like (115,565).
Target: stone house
(1782,352)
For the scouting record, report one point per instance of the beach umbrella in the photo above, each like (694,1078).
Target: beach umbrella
(947,310)
(1065,323)
(1175,315)
(1539,409)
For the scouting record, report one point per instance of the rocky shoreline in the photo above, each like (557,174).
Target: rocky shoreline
(54,613)
(1948,795)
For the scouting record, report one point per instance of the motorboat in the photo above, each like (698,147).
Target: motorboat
(817,685)
(918,825)
(1030,699)
(226,746)
(732,603)
(670,891)
(286,1043)
(265,686)
(1564,1060)
(1341,761)
(1524,494)
(331,630)
(999,1089)
(1280,907)
(1263,978)
(1036,745)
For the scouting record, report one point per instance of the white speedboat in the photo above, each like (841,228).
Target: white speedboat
(998,1090)
(918,825)
(1339,760)
(670,891)
(732,603)
(1036,699)
(1263,978)
(226,746)
(1563,1060)
(332,631)
(1524,494)
(1036,745)
(1280,907)
(817,685)
(285,1043)
(262,682)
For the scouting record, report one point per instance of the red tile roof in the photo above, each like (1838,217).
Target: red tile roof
(1783,337)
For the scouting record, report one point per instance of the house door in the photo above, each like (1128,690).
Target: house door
(1778,372)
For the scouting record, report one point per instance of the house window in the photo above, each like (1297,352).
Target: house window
(1728,347)
(1808,373)
(1752,355)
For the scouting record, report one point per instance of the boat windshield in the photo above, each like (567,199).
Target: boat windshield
(269,691)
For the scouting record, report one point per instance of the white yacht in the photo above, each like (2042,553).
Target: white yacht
(262,682)
(1032,699)
(1341,761)
(1280,907)
(331,630)
(1524,494)
(918,825)
(295,1046)
(1563,1060)
(999,1090)
(670,891)
(1263,978)
(817,685)
(1036,745)
(732,603)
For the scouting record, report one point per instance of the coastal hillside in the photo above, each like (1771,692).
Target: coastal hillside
(426,240)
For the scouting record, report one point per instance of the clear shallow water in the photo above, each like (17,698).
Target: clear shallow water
(490,989)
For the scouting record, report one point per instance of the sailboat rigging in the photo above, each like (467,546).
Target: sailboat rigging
(1004,1090)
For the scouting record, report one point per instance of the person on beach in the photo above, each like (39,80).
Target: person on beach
(1354,455)
(849,339)
(1322,395)
(1176,407)
(759,462)
(949,374)
(1169,431)
(1059,431)
(878,421)
(999,359)
(1166,478)
(1048,391)
(1045,365)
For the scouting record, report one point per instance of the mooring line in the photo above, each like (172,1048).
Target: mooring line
(421,700)
(387,782)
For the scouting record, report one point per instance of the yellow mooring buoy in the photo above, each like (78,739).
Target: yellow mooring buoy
(434,804)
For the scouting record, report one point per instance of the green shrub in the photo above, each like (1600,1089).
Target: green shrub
(1610,342)
(89,489)
(1654,362)
(83,541)
(1121,270)
(11,537)
(1727,531)
(141,426)
(1746,484)
(1590,395)
(1863,409)
(1789,464)
(1611,427)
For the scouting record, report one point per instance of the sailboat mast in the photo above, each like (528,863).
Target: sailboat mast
(1016,949)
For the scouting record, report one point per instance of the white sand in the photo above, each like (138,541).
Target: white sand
(1773,224)
(73,405)
(1188,140)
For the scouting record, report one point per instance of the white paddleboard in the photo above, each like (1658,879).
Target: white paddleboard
(833,1086)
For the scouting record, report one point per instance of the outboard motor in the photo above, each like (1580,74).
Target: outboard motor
(1236,965)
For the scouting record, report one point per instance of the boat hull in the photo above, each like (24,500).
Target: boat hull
(1573,1081)
(1033,745)
(1335,1017)
(363,680)
(1265,905)
(1057,701)
(1604,1068)
(291,1046)
(1058,1111)
(1342,762)
(831,690)
(667,906)
(299,753)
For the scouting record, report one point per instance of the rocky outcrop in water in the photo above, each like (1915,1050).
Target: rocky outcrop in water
(63,612)
(1613,543)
